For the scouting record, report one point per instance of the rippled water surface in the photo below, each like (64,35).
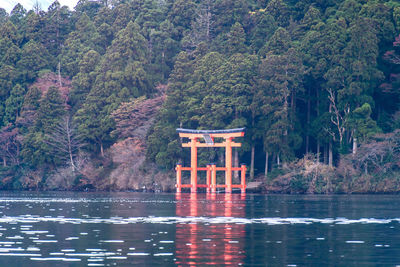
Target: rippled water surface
(128,229)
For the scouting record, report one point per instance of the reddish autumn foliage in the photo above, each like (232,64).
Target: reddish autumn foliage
(131,116)
(52,80)
(9,145)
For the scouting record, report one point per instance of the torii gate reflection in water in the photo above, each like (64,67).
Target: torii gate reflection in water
(211,180)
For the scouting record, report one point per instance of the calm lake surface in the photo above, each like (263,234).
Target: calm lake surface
(128,229)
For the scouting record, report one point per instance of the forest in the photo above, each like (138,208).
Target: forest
(90,98)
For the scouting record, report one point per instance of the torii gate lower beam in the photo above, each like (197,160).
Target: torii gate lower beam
(208,136)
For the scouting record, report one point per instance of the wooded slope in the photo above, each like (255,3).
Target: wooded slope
(315,78)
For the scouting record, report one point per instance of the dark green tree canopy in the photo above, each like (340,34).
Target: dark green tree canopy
(319,77)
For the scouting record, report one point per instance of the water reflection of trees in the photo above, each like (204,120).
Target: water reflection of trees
(206,243)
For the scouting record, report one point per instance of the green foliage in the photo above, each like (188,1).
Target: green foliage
(34,57)
(17,14)
(298,184)
(280,76)
(29,110)
(58,24)
(34,150)
(301,76)
(79,42)
(164,49)
(84,79)
(124,64)
(360,121)
(280,11)
(264,27)
(181,15)
(236,40)
(163,136)
(95,123)
(51,109)
(13,104)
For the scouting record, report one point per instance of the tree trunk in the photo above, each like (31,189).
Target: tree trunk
(163,63)
(71,158)
(222,158)
(17,156)
(266,164)
(308,122)
(59,73)
(68,133)
(354,146)
(236,164)
(325,154)
(330,154)
(278,161)
(292,105)
(348,137)
(252,163)
(4,161)
(318,142)
(101,149)
(307,143)
(208,24)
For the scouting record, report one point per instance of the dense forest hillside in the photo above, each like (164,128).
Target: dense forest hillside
(91,98)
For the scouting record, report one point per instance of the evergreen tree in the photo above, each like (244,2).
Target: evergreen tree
(181,15)
(324,76)
(204,77)
(227,13)
(364,127)
(29,110)
(163,142)
(33,25)
(13,104)
(8,76)
(95,123)
(280,11)
(34,57)
(3,16)
(83,81)
(57,25)
(17,14)
(152,14)
(279,42)
(79,42)
(90,8)
(51,109)
(122,15)
(121,75)
(12,53)
(282,78)
(164,49)
(236,40)
(9,31)
(122,72)
(264,28)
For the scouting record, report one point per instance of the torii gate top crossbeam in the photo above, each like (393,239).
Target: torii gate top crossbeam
(229,133)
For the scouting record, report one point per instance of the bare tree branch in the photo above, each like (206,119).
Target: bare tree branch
(336,118)
(10,145)
(65,141)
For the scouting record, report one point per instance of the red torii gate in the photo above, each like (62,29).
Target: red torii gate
(211,180)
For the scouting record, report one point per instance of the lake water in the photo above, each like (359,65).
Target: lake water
(128,229)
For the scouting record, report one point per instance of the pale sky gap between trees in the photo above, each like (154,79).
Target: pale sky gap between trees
(8,5)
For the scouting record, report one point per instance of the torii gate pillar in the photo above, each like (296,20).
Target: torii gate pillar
(193,164)
(208,136)
(228,164)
